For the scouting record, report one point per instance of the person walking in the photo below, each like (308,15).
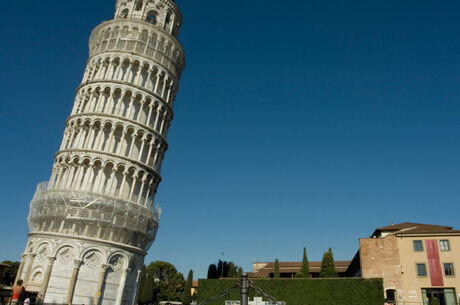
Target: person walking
(17,290)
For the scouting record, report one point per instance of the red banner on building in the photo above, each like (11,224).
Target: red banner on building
(434,263)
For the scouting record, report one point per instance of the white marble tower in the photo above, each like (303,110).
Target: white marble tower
(91,225)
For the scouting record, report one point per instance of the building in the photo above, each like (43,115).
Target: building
(289,269)
(93,222)
(417,262)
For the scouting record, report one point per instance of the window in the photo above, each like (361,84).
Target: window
(421,270)
(139,5)
(124,14)
(391,296)
(418,245)
(152,17)
(449,269)
(444,245)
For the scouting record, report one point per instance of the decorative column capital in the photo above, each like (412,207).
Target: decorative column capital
(77,263)
(23,257)
(51,260)
(125,271)
(104,267)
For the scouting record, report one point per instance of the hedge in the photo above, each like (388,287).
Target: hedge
(343,291)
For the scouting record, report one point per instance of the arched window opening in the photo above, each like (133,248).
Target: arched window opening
(152,17)
(124,14)
(167,20)
(391,296)
(139,5)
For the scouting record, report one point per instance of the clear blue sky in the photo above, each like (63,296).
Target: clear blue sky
(298,123)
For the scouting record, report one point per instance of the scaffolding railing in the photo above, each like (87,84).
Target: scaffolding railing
(48,205)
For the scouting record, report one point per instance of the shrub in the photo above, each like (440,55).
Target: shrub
(344,291)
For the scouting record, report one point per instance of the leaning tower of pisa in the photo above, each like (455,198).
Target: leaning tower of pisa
(92,223)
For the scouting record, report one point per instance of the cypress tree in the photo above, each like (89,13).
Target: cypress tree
(232,270)
(304,271)
(327,265)
(212,272)
(146,293)
(240,272)
(277,269)
(187,299)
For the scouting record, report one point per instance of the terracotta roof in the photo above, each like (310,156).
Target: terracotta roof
(195,284)
(294,267)
(415,228)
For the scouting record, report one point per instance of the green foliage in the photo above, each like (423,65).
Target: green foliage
(222,269)
(434,301)
(343,291)
(9,273)
(187,299)
(162,283)
(304,271)
(328,265)
(232,270)
(240,272)
(146,293)
(277,269)
(212,272)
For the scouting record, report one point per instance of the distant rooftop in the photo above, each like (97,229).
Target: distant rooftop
(414,228)
(265,268)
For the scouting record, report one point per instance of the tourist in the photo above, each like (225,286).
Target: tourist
(18,290)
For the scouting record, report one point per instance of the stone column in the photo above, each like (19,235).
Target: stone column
(159,110)
(165,115)
(29,268)
(141,151)
(152,143)
(144,179)
(100,282)
(147,81)
(136,287)
(21,268)
(73,281)
(155,89)
(170,86)
(123,182)
(46,280)
(121,288)
(138,76)
(149,116)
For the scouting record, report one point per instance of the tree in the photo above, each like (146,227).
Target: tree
(187,299)
(146,293)
(162,283)
(212,272)
(232,270)
(9,273)
(304,271)
(222,269)
(434,301)
(327,265)
(277,269)
(240,272)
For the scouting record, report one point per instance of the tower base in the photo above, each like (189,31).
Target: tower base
(72,270)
